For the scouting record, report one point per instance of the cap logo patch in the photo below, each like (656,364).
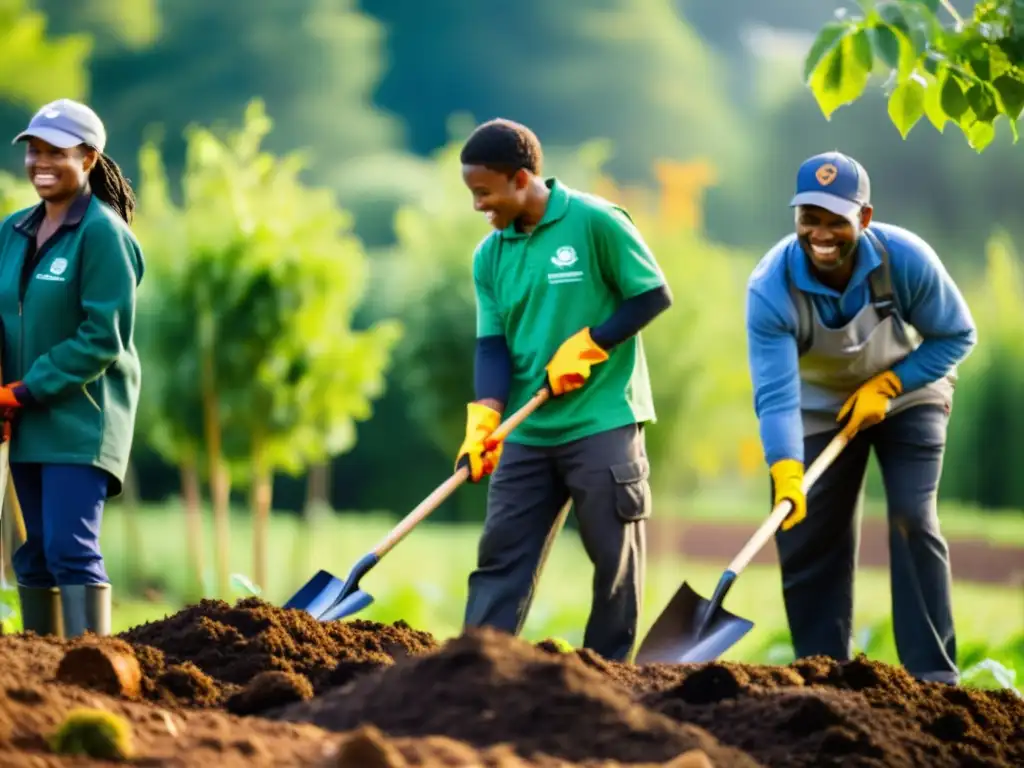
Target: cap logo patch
(826,174)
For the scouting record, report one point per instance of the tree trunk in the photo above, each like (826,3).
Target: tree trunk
(318,494)
(196,555)
(134,548)
(261,499)
(318,486)
(220,482)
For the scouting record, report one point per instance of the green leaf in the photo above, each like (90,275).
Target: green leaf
(982,99)
(891,13)
(976,53)
(910,19)
(980,135)
(887,45)
(827,38)
(1017,15)
(933,102)
(843,73)
(926,30)
(906,105)
(1011,94)
(952,99)
(863,53)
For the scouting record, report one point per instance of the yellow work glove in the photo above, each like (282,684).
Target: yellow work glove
(480,454)
(868,405)
(569,368)
(788,479)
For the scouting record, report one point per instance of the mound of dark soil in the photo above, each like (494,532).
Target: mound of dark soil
(357,693)
(821,712)
(486,688)
(206,654)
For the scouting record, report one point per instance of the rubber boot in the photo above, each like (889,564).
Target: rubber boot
(85,607)
(41,610)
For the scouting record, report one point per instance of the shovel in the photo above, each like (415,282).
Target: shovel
(327,597)
(692,629)
(5,473)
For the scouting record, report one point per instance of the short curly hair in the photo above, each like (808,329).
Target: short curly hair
(504,146)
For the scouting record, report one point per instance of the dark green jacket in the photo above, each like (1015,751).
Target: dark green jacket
(68,335)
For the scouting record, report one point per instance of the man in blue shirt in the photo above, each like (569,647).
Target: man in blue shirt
(857,326)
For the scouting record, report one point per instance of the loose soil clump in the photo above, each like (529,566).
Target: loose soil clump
(33,704)
(206,654)
(251,685)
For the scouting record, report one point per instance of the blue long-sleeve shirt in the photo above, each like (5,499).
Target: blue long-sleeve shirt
(925,294)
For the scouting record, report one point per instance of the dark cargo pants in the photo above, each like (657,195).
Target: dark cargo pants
(606,477)
(818,556)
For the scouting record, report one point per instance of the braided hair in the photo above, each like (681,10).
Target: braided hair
(110,186)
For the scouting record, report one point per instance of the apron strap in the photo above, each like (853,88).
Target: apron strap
(804,326)
(880,280)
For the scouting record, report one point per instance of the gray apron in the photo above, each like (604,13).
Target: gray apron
(834,362)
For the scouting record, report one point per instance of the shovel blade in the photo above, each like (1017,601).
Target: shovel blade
(317,594)
(681,635)
(348,605)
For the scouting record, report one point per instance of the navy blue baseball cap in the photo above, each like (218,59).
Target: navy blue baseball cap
(66,123)
(835,182)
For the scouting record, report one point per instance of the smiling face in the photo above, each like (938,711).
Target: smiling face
(502,198)
(827,238)
(56,173)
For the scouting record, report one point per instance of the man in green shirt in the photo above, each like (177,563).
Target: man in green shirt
(564,283)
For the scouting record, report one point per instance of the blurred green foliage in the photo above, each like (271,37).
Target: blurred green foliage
(305,256)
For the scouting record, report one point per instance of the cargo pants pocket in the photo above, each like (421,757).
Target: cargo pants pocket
(632,491)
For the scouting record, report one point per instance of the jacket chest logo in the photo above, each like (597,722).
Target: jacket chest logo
(564,259)
(57,268)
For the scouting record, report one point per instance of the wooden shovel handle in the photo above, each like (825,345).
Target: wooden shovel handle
(443,491)
(784,507)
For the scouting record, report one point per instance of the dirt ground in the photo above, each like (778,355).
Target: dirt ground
(972,559)
(252,685)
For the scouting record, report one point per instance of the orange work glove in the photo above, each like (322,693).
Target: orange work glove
(570,367)
(8,399)
(788,479)
(869,404)
(476,451)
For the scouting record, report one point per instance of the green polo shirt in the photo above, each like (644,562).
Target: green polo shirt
(68,325)
(537,289)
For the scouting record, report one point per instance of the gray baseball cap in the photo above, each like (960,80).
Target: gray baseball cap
(66,123)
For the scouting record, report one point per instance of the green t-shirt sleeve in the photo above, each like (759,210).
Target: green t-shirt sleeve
(628,264)
(489,321)
(107,296)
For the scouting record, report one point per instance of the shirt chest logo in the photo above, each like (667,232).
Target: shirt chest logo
(57,268)
(564,259)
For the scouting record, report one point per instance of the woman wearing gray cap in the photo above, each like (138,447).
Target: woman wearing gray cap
(69,270)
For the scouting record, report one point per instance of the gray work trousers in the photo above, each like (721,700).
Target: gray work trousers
(818,556)
(606,477)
